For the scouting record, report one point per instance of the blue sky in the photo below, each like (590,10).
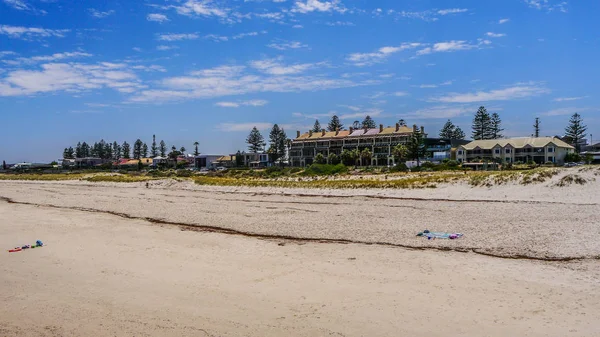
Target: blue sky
(209,70)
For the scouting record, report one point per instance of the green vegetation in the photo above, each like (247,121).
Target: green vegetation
(325,169)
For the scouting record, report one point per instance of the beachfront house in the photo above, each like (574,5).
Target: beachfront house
(540,150)
(380,141)
(206,160)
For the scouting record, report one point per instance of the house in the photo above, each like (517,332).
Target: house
(90,162)
(160,161)
(512,150)
(206,160)
(380,141)
(224,161)
(253,160)
(438,149)
(135,162)
(594,151)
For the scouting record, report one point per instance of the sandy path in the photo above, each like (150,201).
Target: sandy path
(103,275)
(537,228)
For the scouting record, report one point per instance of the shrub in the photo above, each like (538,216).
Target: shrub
(572,157)
(400,167)
(452,163)
(184,173)
(325,169)
(320,159)
(333,159)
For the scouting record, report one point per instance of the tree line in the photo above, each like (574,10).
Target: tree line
(115,151)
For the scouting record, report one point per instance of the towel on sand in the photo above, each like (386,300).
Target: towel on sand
(440,235)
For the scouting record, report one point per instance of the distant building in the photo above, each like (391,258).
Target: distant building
(206,160)
(511,150)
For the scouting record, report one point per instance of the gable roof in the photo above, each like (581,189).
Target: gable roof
(516,143)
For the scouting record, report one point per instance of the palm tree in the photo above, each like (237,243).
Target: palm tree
(400,152)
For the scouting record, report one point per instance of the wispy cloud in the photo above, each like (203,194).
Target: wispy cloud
(205,8)
(31,32)
(365,59)
(254,103)
(438,112)
(308,6)
(452,11)
(521,90)
(99,14)
(339,23)
(165,47)
(178,37)
(275,67)
(285,45)
(568,99)
(502,21)
(548,5)
(46,58)
(427,15)
(246,127)
(452,46)
(23,5)
(490,34)
(157,17)
(566,111)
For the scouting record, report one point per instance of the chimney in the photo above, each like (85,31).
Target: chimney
(397,127)
(414,128)
(350,129)
(297,134)
(422,130)
(380,127)
(310,133)
(323,132)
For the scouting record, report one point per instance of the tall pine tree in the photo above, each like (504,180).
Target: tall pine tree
(277,140)
(335,124)
(536,127)
(416,147)
(116,151)
(458,133)
(448,130)
(575,131)
(317,127)
(126,150)
(496,127)
(137,149)
(481,124)
(154,148)
(196,152)
(368,123)
(78,151)
(255,141)
(163,149)
(356,125)
(144,151)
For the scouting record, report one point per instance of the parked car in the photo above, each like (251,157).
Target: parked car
(221,168)
(570,164)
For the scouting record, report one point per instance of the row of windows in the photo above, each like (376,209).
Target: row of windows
(507,151)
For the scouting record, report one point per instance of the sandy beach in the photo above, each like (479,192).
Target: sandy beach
(177,259)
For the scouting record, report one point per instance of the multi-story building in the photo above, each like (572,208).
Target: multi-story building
(511,150)
(380,141)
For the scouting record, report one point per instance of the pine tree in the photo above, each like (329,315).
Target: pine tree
(196,152)
(137,149)
(402,122)
(4,167)
(335,124)
(448,130)
(458,133)
(154,149)
(481,124)
(126,150)
(356,125)
(68,153)
(317,127)
(368,123)
(85,150)
(575,131)
(182,150)
(496,127)
(116,151)
(144,151)
(277,140)
(163,148)
(78,152)
(416,147)
(255,141)
(536,127)
(108,151)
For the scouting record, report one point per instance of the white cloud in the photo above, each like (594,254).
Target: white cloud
(255,103)
(178,37)
(157,17)
(400,93)
(22,5)
(521,90)
(275,67)
(339,23)
(548,5)
(164,47)
(31,32)
(46,58)
(490,34)
(71,77)
(284,45)
(246,127)
(438,112)
(565,111)
(308,6)
(365,59)
(138,49)
(150,68)
(361,113)
(206,8)
(452,11)
(236,80)
(243,35)
(452,46)
(298,26)
(100,15)
(7,52)
(568,99)
(502,21)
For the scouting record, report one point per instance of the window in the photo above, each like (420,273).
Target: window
(460,153)
(507,151)
(497,151)
(550,149)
